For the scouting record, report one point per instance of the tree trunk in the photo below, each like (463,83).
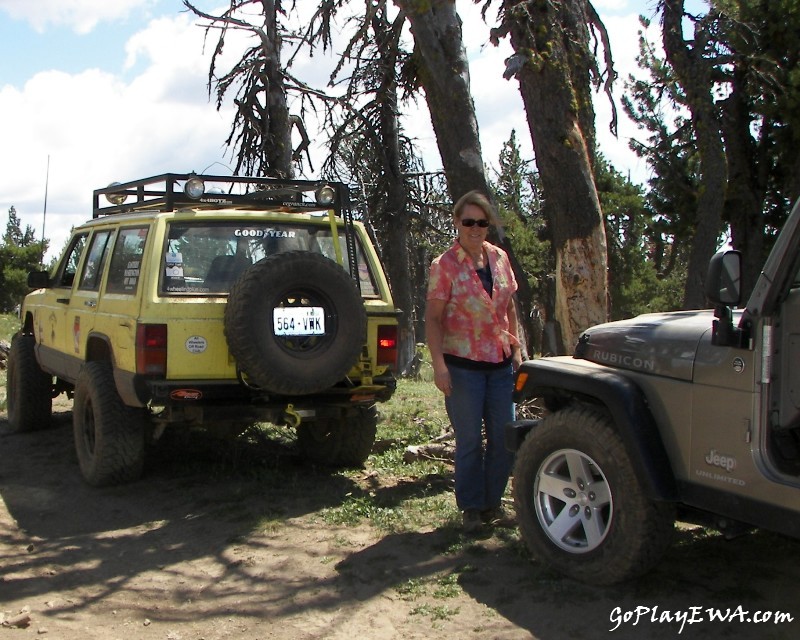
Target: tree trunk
(543,64)
(745,197)
(262,127)
(443,71)
(397,217)
(694,73)
(278,137)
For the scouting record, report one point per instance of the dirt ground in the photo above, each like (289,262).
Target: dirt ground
(185,554)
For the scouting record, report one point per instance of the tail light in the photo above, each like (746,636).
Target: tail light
(151,349)
(387,345)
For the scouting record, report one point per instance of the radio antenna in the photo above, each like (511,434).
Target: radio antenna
(44,210)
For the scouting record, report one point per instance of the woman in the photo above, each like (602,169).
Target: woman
(471,329)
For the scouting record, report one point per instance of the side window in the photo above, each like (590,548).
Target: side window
(68,267)
(95,261)
(126,261)
(366,281)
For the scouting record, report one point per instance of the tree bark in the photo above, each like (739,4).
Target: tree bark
(262,127)
(745,196)
(555,104)
(397,217)
(443,71)
(278,137)
(694,73)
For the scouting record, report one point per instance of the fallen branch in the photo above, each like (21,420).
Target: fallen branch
(20,621)
(432,451)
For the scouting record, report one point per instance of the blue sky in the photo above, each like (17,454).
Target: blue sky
(59,47)
(112,90)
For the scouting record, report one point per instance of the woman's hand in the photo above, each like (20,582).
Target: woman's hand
(441,378)
(516,359)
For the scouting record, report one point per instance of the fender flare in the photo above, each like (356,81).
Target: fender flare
(563,380)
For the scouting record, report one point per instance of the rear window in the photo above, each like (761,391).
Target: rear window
(206,259)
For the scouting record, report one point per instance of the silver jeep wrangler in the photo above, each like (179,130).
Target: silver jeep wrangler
(692,415)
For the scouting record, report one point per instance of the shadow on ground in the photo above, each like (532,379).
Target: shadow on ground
(220,535)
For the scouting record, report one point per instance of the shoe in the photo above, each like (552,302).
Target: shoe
(498,517)
(471,520)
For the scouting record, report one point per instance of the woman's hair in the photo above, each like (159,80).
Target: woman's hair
(478,199)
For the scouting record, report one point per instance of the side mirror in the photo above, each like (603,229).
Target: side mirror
(724,279)
(38,280)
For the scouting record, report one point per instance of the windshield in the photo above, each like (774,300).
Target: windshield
(206,259)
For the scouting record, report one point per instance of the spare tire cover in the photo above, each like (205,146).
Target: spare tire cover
(295,323)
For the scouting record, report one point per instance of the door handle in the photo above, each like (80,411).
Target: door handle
(63,300)
(90,303)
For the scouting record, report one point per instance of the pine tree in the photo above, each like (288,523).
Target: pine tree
(20,253)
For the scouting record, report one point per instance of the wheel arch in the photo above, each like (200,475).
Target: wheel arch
(131,388)
(98,349)
(561,383)
(27,324)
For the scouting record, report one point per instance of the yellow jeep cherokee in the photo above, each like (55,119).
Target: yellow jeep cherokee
(223,301)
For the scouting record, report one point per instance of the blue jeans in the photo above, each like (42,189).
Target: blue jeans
(480,398)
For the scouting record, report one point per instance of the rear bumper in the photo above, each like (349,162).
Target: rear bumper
(231,392)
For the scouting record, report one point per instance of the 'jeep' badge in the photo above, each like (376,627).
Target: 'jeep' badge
(196,344)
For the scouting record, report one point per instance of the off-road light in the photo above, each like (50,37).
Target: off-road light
(194,188)
(325,195)
(116,198)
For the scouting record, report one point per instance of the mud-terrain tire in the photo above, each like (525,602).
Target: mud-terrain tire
(339,442)
(580,507)
(109,436)
(29,389)
(295,365)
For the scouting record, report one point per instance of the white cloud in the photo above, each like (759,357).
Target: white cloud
(611,5)
(97,126)
(81,16)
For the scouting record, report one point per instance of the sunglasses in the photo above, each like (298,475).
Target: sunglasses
(469,222)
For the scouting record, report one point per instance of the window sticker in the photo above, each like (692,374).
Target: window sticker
(131,274)
(174,262)
(265,233)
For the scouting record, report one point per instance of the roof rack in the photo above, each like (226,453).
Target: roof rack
(171,191)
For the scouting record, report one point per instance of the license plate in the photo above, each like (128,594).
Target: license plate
(298,321)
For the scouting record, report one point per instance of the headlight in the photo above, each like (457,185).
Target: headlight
(325,195)
(194,188)
(116,198)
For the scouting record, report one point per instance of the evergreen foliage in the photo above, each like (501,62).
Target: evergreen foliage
(20,253)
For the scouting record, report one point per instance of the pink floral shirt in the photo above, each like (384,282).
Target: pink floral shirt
(474,325)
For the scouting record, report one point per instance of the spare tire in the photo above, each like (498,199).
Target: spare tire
(295,323)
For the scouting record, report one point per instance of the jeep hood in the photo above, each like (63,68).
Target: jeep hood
(662,344)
